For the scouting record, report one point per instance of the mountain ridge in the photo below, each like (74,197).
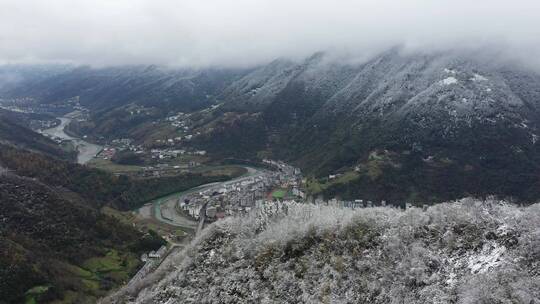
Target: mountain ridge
(461,114)
(466,251)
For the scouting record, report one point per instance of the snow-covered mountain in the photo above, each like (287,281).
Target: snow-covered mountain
(394,85)
(449,124)
(460,121)
(111,87)
(460,252)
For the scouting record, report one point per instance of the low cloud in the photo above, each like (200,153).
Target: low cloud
(249,32)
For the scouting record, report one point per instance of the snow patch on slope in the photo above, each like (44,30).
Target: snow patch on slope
(449,80)
(491,256)
(302,253)
(478,77)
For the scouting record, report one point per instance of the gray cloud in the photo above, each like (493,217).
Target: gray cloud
(247,32)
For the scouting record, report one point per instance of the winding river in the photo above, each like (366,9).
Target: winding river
(86,150)
(166,205)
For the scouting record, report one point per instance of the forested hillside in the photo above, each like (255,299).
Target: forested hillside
(400,126)
(111,87)
(53,242)
(98,187)
(56,243)
(14,132)
(415,127)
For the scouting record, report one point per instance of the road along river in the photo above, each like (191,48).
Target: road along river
(163,209)
(86,150)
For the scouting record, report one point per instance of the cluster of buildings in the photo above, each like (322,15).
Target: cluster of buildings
(174,153)
(119,144)
(154,254)
(354,204)
(43,124)
(135,110)
(159,158)
(176,140)
(182,124)
(126,144)
(180,120)
(282,166)
(359,203)
(228,198)
(243,195)
(291,177)
(238,196)
(159,170)
(107,153)
(29,105)
(151,261)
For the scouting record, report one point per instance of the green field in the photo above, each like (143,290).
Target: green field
(35,292)
(92,279)
(279,193)
(108,165)
(316,186)
(111,266)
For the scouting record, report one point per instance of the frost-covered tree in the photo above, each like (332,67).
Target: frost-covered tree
(461,252)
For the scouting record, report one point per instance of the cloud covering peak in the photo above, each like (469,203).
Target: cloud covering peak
(248,32)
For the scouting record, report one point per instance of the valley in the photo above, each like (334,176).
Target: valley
(109,261)
(197,153)
(468,136)
(85,151)
(272,152)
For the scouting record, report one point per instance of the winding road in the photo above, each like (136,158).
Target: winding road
(163,209)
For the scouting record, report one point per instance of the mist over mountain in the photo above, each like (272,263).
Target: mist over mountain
(414,126)
(241,151)
(462,124)
(106,88)
(244,33)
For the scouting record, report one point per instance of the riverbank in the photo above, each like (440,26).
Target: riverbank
(164,209)
(85,150)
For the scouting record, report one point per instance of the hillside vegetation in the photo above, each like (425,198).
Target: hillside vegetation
(460,252)
(57,244)
(446,124)
(100,188)
(14,132)
(51,241)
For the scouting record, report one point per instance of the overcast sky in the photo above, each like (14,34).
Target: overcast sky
(247,32)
